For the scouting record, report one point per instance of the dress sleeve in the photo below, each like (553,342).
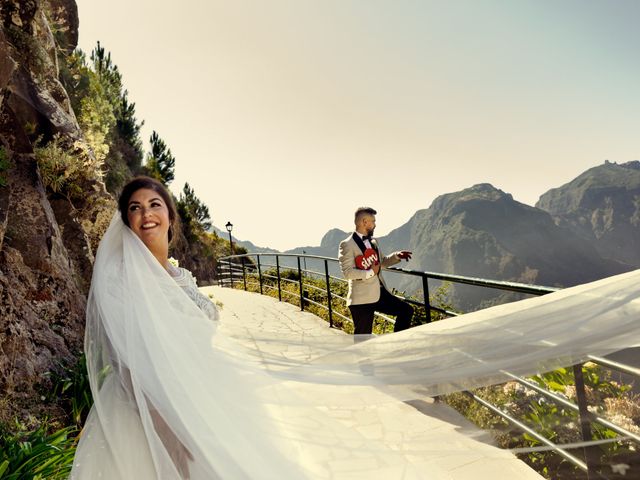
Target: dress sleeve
(200,299)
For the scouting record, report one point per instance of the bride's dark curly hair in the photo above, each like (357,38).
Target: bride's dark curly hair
(152,184)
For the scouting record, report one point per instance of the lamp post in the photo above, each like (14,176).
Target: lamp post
(229,226)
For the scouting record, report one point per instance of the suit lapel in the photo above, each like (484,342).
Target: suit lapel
(359,242)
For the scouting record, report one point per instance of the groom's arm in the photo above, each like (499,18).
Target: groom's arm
(395,257)
(390,260)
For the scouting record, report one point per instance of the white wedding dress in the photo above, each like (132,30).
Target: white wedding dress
(178,397)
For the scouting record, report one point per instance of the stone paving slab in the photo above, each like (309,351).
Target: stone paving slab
(430,436)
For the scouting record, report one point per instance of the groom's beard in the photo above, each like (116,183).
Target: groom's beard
(370,231)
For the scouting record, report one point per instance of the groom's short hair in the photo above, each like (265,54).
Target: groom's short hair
(362,211)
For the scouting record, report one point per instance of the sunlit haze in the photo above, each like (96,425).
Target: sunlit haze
(285,116)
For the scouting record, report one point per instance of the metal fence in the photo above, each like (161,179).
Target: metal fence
(249,270)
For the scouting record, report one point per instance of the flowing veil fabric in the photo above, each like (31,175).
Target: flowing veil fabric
(178,396)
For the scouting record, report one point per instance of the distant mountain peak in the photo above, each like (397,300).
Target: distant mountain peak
(333,237)
(483,187)
(602,205)
(592,186)
(480,191)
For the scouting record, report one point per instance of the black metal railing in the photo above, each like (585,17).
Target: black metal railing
(243,268)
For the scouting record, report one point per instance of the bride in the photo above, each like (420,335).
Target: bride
(176,396)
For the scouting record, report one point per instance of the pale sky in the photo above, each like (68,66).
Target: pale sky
(286,115)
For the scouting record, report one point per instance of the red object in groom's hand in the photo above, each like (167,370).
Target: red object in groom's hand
(367,260)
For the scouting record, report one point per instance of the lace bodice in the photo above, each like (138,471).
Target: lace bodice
(185,279)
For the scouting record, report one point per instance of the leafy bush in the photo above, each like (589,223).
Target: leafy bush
(65,168)
(37,454)
(557,423)
(46,451)
(71,389)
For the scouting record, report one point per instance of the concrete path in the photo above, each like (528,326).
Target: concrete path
(429,436)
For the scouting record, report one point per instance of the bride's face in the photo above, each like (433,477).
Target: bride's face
(148,217)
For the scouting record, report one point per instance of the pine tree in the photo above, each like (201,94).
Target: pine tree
(109,76)
(106,115)
(193,213)
(160,162)
(129,130)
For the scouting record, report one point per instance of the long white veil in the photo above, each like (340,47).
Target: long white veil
(178,396)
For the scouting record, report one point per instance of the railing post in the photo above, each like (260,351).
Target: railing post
(585,422)
(278,273)
(231,272)
(427,302)
(244,274)
(259,274)
(301,289)
(326,274)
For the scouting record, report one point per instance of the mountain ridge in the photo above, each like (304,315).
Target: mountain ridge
(482,231)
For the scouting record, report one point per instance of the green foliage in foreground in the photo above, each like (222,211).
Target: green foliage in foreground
(36,454)
(559,424)
(71,389)
(46,451)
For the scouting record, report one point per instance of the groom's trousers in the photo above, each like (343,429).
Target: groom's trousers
(389,304)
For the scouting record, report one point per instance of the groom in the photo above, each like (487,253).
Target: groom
(361,261)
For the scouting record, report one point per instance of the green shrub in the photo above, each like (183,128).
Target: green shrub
(65,169)
(37,454)
(71,389)
(555,422)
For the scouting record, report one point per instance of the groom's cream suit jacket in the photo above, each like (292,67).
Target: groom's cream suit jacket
(362,290)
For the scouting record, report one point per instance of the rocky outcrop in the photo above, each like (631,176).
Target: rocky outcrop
(483,232)
(602,205)
(42,285)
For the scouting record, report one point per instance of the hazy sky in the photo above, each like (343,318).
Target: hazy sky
(287,115)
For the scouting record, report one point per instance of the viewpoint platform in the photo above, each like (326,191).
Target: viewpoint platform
(429,436)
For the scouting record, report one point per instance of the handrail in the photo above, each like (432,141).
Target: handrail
(480,282)
(228,269)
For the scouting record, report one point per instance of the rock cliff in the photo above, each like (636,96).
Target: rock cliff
(45,249)
(483,232)
(602,205)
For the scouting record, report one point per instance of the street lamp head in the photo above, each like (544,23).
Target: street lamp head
(229,226)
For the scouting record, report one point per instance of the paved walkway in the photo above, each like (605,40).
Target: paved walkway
(430,436)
